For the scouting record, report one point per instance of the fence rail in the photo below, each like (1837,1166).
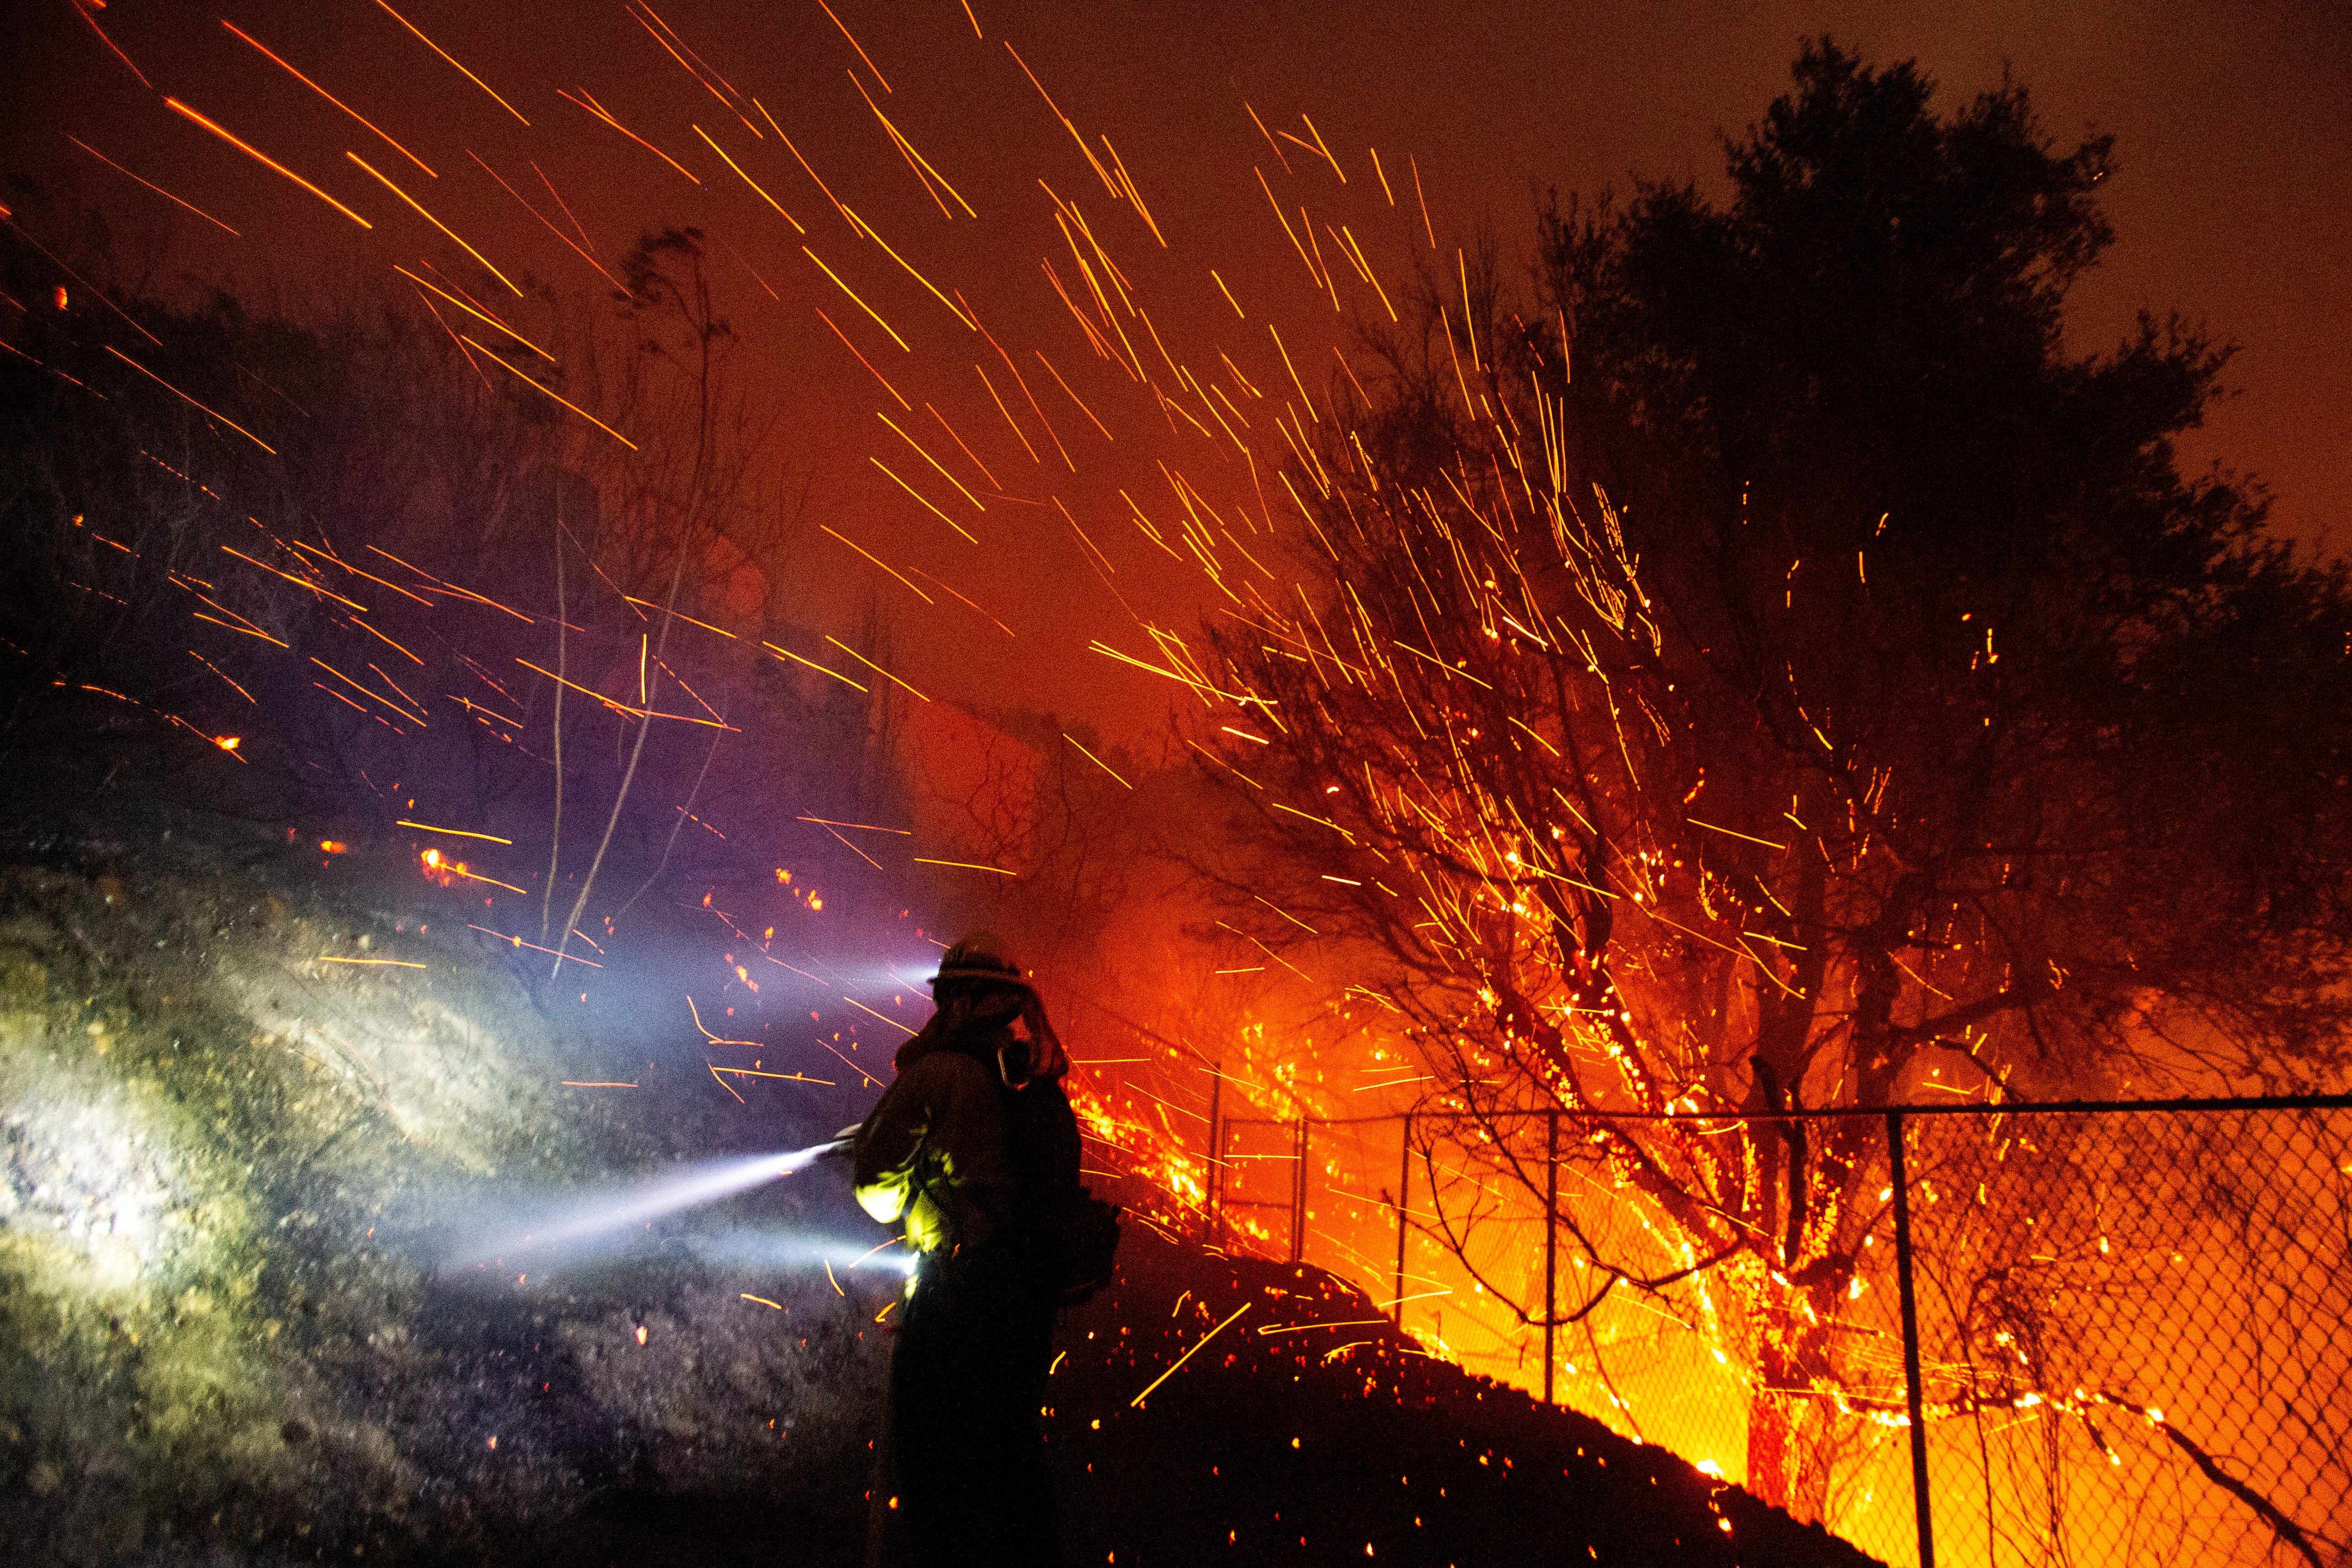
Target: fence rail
(2125,1327)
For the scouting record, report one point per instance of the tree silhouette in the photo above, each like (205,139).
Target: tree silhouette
(1764,670)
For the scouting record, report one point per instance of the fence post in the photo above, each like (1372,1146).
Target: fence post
(1920,1505)
(1298,1199)
(1216,1173)
(1551,1239)
(1404,1176)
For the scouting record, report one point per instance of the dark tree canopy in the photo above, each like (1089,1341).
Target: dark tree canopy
(1776,671)
(1868,480)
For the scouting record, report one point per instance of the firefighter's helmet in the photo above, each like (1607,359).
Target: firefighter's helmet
(980,960)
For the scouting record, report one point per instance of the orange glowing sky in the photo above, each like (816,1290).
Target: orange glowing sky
(2234,141)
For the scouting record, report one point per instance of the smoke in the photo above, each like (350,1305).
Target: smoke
(751,1247)
(548,1231)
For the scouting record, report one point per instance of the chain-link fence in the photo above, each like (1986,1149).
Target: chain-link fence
(2078,1334)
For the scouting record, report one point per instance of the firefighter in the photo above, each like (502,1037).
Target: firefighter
(971,1147)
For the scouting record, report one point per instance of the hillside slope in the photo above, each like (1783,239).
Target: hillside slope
(240,1084)
(1308,1431)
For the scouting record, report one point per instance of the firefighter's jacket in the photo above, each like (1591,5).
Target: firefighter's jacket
(934,1152)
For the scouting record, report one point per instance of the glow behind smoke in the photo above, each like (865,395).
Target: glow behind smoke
(581,1223)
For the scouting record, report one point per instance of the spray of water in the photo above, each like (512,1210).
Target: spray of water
(596,1220)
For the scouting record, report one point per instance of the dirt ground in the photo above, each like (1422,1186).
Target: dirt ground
(244,1087)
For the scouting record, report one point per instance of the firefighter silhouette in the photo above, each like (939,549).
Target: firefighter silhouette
(974,1149)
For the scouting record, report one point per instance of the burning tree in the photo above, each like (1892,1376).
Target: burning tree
(1766,672)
